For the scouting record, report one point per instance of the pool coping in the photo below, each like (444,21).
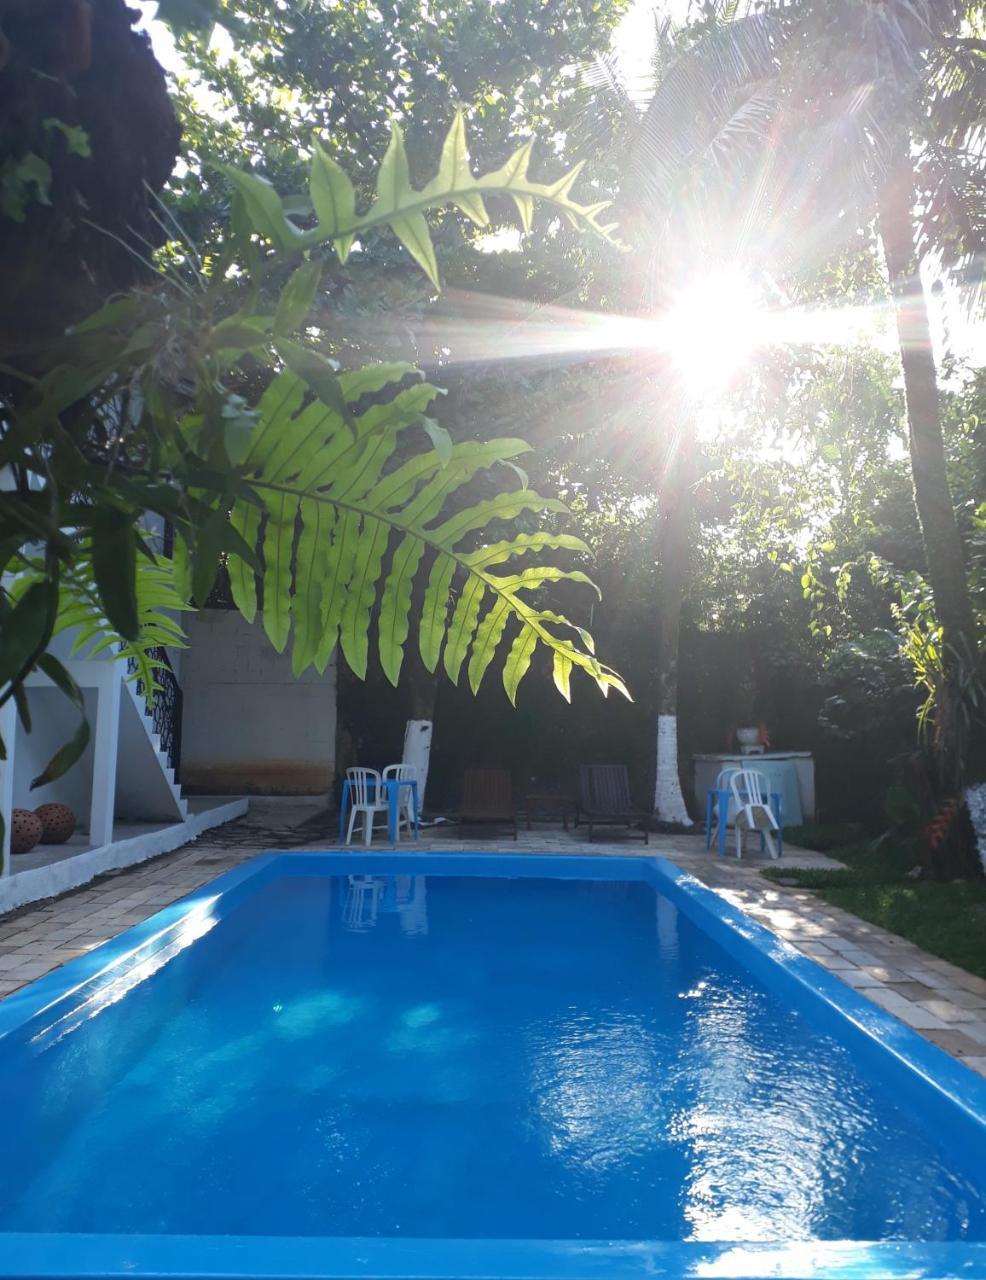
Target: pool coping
(953,1093)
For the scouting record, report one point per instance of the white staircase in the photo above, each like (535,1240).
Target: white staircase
(122,789)
(146,789)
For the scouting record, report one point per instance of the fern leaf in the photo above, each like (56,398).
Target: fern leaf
(371,378)
(342,558)
(562,674)
(342,496)
(394,191)
(333,200)
(505,506)
(354,631)
(395,606)
(518,661)
(488,636)
(242,578)
(454,173)
(312,560)
(297,297)
(264,208)
(524,204)
(500,552)
(537,577)
(278,543)
(434,610)
(463,626)
(412,231)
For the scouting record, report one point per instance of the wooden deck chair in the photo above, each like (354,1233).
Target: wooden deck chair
(751,796)
(604,798)
(488,799)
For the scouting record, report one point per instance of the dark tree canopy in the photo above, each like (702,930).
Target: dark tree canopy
(87,135)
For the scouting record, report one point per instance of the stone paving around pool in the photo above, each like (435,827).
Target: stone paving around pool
(945,1004)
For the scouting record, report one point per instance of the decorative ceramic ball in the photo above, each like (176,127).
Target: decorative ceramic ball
(58,821)
(26,829)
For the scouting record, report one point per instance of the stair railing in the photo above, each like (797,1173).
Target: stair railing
(164,704)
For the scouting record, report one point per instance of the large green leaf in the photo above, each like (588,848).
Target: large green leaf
(356,507)
(26,627)
(69,752)
(333,199)
(114,560)
(81,611)
(297,297)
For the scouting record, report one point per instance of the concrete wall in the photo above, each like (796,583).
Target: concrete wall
(249,726)
(54,721)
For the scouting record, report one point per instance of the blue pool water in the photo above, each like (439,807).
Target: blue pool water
(461,1057)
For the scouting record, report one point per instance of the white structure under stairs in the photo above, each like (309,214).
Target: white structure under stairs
(123,790)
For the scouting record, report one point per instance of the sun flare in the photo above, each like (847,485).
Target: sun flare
(711,330)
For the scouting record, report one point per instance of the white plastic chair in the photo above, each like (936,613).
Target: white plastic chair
(751,795)
(715,818)
(405,802)
(362,903)
(366,796)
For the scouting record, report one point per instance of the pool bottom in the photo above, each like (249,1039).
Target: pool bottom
(82,1254)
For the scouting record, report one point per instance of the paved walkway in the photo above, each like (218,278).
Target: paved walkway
(944,1003)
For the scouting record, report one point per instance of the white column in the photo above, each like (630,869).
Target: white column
(975,798)
(105,741)
(8,731)
(669,803)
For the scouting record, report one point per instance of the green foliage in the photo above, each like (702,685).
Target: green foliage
(336,489)
(82,612)
(355,506)
(399,206)
(285,72)
(943,919)
(868,687)
(23,179)
(821,836)
(198,16)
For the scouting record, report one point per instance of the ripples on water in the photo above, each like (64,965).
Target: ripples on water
(464,1058)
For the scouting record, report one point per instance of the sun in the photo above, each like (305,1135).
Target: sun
(710,331)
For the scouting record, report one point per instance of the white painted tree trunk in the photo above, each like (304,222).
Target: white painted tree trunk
(975,798)
(417,752)
(669,803)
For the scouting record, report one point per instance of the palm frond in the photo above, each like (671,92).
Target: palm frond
(704,91)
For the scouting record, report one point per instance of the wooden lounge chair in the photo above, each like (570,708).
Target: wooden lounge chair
(604,798)
(487,798)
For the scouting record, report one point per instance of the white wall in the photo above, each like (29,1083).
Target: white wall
(54,721)
(144,792)
(250,726)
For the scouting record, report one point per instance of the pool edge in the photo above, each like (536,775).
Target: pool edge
(89,1257)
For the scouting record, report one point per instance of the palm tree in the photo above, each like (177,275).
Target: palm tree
(837,118)
(675,240)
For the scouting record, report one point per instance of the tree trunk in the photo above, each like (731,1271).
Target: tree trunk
(943,549)
(422,693)
(674,521)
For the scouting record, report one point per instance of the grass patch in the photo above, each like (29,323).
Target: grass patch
(823,837)
(947,920)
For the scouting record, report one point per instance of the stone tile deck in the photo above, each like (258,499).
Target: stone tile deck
(945,1004)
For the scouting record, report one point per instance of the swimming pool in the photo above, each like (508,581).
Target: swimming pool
(474,1065)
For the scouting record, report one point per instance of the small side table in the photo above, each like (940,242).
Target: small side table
(547,800)
(392,786)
